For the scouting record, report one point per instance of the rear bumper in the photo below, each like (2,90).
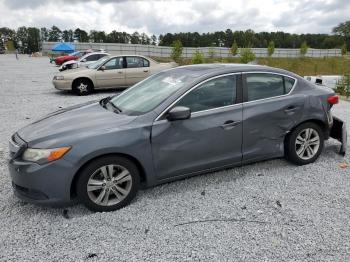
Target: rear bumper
(339,132)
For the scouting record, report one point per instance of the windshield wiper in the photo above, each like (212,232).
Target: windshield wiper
(114,106)
(107,101)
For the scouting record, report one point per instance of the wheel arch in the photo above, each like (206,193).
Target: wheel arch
(318,122)
(138,164)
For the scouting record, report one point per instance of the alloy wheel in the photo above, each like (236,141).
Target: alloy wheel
(82,87)
(109,185)
(307,143)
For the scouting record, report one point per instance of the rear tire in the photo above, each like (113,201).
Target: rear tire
(108,183)
(304,144)
(82,87)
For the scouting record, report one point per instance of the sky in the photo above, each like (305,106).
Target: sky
(162,16)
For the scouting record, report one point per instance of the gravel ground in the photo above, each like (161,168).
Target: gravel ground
(268,211)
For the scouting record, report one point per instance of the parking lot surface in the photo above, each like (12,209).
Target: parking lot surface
(268,211)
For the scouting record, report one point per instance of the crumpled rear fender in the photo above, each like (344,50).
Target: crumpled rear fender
(339,132)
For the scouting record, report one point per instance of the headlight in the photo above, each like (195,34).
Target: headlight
(42,156)
(58,78)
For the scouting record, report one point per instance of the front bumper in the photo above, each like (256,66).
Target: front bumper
(42,184)
(62,84)
(339,132)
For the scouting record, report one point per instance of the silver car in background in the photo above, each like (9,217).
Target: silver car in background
(83,61)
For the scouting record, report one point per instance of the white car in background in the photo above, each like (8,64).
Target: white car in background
(325,80)
(83,61)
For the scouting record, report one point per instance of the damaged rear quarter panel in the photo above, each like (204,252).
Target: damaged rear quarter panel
(265,124)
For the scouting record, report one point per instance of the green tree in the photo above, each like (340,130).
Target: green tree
(303,48)
(198,58)
(22,39)
(97,36)
(246,55)
(271,48)
(145,40)
(44,34)
(67,35)
(80,35)
(55,34)
(344,49)
(343,86)
(176,50)
(153,40)
(234,48)
(33,40)
(342,29)
(135,38)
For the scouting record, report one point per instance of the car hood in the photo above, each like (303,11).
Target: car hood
(79,71)
(70,62)
(71,124)
(64,56)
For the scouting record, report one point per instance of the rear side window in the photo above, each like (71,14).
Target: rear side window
(93,57)
(114,63)
(264,85)
(136,61)
(289,83)
(215,93)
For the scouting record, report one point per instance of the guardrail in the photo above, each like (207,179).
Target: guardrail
(220,52)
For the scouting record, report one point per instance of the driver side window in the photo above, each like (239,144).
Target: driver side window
(215,93)
(114,63)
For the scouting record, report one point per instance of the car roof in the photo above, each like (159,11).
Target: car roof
(97,53)
(202,70)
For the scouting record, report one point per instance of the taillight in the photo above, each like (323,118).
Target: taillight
(333,100)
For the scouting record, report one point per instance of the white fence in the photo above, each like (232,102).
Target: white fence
(165,51)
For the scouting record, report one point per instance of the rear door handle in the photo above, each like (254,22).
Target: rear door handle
(229,124)
(290,109)
(145,71)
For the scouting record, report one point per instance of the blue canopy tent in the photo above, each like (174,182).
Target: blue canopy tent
(63,47)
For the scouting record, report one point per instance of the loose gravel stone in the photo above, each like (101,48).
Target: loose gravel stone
(267,211)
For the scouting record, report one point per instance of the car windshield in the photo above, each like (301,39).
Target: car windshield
(98,63)
(78,53)
(148,94)
(84,56)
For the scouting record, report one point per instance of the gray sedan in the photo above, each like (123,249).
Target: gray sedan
(178,123)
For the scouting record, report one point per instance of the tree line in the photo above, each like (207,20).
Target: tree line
(29,39)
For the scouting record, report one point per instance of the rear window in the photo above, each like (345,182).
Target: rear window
(265,85)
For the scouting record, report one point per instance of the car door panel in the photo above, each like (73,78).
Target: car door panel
(266,123)
(110,78)
(210,138)
(113,75)
(136,70)
(135,75)
(206,140)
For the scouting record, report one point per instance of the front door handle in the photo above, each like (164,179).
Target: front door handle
(229,124)
(120,72)
(145,70)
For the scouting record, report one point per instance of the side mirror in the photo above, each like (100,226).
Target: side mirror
(102,68)
(84,60)
(179,113)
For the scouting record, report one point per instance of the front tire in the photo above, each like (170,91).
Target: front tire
(304,144)
(82,87)
(108,183)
